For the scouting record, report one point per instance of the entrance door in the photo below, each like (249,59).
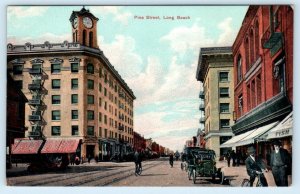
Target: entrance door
(90,151)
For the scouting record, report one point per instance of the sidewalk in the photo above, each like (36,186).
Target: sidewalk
(238,173)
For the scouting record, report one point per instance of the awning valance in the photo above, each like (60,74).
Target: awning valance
(283,129)
(58,145)
(231,142)
(26,146)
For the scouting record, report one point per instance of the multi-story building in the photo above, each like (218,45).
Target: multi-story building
(15,119)
(263,64)
(139,142)
(74,91)
(215,71)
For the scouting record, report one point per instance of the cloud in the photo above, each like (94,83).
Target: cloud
(52,38)
(116,11)
(122,55)
(228,35)
(183,38)
(24,11)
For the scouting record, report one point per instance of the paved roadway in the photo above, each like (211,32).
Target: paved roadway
(155,173)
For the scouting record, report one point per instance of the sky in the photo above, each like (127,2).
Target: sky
(157,58)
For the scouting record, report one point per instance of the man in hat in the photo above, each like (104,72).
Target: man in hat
(254,166)
(281,164)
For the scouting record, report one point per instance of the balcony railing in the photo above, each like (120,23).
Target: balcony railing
(201,94)
(34,102)
(273,41)
(202,120)
(121,128)
(34,118)
(202,107)
(34,86)
(34,134)
(35,71)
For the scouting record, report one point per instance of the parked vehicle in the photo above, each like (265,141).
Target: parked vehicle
(203,164)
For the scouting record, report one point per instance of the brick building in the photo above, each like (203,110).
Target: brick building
(139,142)
(263,77)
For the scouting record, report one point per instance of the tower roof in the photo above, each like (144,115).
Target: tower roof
(82,12)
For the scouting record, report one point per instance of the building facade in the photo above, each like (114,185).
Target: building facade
(139,142)
(74,91)
(263,78)
(15,119)
(215,72)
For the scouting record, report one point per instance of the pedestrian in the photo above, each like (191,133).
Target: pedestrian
(228,157)
(171,160)
(238,157)
(280,164)
(233,156)
(254,166)
(77,160)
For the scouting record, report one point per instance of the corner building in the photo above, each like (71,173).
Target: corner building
(263,79)
(215,72)
(74,91)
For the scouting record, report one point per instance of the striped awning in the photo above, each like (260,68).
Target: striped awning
(26,146)
(60,145)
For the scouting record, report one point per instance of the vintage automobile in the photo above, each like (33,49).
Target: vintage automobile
(187,156)
(203,165)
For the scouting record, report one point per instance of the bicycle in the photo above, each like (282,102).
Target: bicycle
(246,182)
(138,169)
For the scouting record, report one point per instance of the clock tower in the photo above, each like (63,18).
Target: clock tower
(84,28)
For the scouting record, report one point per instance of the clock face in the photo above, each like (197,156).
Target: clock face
(87,22)
(75,22)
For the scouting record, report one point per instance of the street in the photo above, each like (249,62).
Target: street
(155,173)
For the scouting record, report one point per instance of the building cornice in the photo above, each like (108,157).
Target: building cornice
(64,48)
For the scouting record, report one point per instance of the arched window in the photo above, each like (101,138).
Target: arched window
(256,40)
(247,53)
(251,49)
(90,68)
(91,39)
(239,69)
(84,37)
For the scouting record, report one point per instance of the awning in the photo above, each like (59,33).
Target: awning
(283,129)
(249,137)
(58,145)
(231,142)
(26,146)
(256,134)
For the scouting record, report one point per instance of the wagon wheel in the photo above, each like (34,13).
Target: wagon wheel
(190,174)
(221,177)
(194,176)
(182,166)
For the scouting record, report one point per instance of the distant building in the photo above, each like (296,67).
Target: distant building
(215,72)
(139,142)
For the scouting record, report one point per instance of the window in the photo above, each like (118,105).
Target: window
(100,87)
(55,68)
(105,105)
(100,102)
(258,89)
(240,105)
(74,114)
(105,119)
(100,117)
(224,92)
(19,84)
(90,68)
(223,76)
(90,84)
(224,123)
(105,92)
(100,132)
(224,107)
(55,130)
(105,133)
(55,115)
(74,98)
(74,67)
(91,39)
(239,69)
(56,84)
(55,99)
(90,131)
(90,115)
(247,54)
(90,99)
(74,83)
(17,69)
(75,130)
